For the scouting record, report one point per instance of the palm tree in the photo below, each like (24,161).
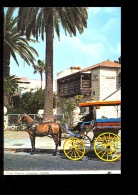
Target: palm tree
(42,20)
(15,43)
(40,68)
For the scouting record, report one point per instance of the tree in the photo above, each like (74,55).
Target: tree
(32,101)
(40,68)
(41,20)
(10,86)
(15,43)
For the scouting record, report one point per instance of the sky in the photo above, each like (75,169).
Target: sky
(101,40)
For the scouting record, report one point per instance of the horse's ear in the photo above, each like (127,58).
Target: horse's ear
(25,114)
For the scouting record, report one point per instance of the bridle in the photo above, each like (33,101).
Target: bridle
(21,118)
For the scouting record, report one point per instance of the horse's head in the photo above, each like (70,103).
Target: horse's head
(22,118)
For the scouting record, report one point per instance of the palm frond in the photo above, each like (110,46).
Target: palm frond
(14,42)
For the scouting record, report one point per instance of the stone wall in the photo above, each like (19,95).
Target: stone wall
(107,82)
(104,82)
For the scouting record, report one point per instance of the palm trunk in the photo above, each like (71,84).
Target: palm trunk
(6,65)
(41,80)
(48,104)
(6,72)
(6,99)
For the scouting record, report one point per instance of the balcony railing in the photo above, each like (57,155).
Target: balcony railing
(74,85)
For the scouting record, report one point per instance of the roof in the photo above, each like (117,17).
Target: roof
(100,103)
(73,74)
(24,80)
(106,63)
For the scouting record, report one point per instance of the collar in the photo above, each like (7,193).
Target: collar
(33,122)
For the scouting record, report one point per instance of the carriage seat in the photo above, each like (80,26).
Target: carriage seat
(87,126)
(107,125)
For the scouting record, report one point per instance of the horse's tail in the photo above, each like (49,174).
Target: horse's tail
(59,135)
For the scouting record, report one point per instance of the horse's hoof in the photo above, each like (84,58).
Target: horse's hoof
(32,153)
(54,154)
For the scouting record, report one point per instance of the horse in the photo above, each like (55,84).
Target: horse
(40,129)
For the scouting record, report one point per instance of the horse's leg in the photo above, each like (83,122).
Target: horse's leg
(32,138)
(55,138)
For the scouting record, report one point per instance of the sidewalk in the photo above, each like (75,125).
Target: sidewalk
(20,141)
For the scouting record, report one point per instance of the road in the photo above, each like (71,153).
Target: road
(44,163)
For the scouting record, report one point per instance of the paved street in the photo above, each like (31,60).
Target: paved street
(18,160)
(45,163)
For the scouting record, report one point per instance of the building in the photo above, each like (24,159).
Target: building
(64,73)
(27,85)
(100,81)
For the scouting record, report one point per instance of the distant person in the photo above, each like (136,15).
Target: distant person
(87,118)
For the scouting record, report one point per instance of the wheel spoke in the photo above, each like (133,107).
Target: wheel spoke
(87,143)
(105,146)
(74,148)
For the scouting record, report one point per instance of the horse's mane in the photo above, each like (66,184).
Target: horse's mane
(40,122)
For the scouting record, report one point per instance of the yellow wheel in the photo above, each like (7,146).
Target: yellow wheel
(87,143)
(107,146)
(74,148)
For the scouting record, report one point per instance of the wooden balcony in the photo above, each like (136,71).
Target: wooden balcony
(74,84)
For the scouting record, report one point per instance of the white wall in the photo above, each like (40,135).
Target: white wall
(34,83)
(110,111)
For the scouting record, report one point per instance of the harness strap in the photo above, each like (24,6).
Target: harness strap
(46,133)
(49,132)
(33,122)
(35,128)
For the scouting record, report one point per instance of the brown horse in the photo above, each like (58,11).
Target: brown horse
(36,129)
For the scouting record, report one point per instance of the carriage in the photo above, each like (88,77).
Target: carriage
(106,141)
